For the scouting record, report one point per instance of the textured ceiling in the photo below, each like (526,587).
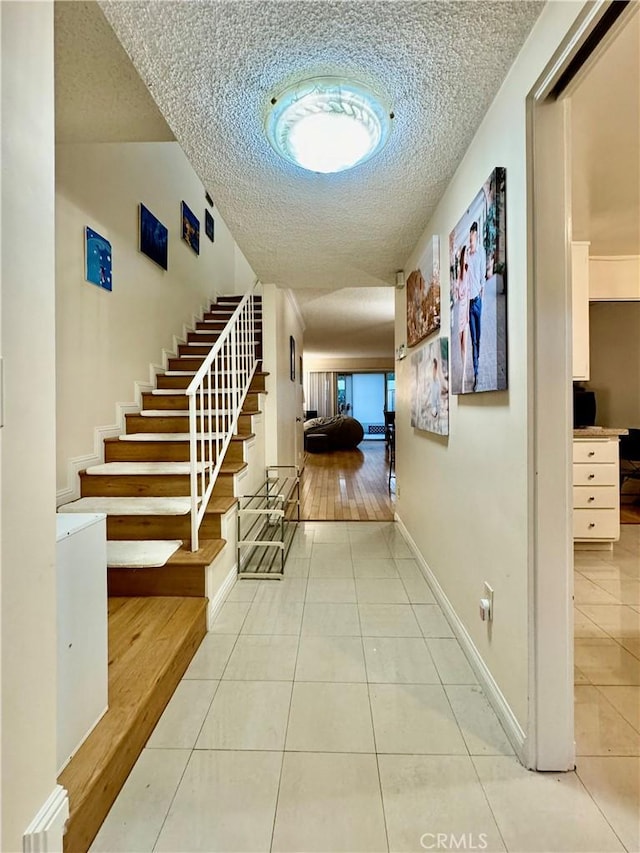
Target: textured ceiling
(356,322)
(99,95)
(212,68)
(605,110)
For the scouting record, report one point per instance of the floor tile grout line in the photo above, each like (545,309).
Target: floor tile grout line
(455,716)
(595,802)
(424,639)
(487,800)
(604,630)
(175,794)
(633,654)
(286,728)
(193,748)
(373,733)
(610,704)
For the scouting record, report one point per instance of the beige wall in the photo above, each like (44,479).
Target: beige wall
(120,334)
(283,403)
(464,499)
(337,365)
(614,329)
(244,276)
(27,439)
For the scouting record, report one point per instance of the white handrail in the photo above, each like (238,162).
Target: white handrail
(216,395)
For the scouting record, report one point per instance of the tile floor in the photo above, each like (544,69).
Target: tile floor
(335,711)
(607,679)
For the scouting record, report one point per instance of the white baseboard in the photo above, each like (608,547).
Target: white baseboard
(44,833)
(218,598)
(71,491)
(492,691)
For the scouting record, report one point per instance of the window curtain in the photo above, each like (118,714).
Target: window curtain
(320,393)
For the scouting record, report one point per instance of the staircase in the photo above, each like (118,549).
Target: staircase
(143,485)
(156,584)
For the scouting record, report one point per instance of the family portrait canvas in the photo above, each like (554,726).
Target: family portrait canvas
(97,259)
(423,295)
(190,228)
(430,387)
(154,237)
(478,295)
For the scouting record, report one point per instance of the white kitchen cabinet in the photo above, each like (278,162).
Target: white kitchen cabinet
(81,581)
(580,303)
(596,491)
(615,278)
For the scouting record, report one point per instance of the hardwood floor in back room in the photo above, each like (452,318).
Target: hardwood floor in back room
(348,485)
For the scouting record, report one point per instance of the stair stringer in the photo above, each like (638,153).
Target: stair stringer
(223,571)
(71,491)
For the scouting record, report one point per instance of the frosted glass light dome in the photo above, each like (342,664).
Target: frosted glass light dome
(327,124)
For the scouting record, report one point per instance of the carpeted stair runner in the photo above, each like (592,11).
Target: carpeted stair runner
(143,554)
(130,506)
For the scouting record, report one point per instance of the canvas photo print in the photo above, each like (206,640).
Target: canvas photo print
(154,237)
(423,295)
(97,258)
(430,387)
(478,294)
(190,228)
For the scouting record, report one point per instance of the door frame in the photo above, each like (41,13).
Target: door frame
(550,741)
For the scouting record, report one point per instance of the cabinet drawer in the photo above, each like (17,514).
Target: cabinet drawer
(595,475)
(595,497)
(596,524)
(595,451)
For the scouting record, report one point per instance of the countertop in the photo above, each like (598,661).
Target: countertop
(599,432)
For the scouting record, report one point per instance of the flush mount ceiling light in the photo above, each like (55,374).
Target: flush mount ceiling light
(327,124)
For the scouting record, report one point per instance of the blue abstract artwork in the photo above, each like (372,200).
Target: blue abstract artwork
(190,228)
(97,259)
(154,237)
(209,225)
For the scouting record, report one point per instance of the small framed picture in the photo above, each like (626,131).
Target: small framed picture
(97,257)
(190,228)
(208,225)
(292,358)
(154,237)
(300,370)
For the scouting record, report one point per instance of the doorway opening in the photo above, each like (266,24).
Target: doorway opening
(367,397)
(566,214)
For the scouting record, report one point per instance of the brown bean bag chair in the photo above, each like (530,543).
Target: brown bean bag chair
(342,432)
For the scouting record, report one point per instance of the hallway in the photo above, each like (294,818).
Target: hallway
(348,485)
(335,711)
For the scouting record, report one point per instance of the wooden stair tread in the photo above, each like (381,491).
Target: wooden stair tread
(184,574)
(206,553)
(220,505)
(151,642)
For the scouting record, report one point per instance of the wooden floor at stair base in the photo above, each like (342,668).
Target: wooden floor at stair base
(347,485)
(151,642)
